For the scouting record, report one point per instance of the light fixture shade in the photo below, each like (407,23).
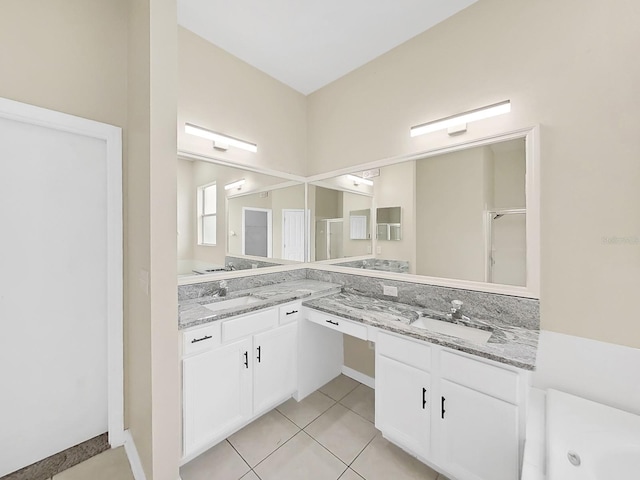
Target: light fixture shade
(358,180)
(461,118)
(219,138)
(237,185)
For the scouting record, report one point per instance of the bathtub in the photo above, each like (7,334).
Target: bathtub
(590,441)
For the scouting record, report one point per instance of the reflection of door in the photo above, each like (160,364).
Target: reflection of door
(293,234)
(256,232)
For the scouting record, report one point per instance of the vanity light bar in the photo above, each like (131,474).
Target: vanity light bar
(219,138)
(232,185)
(462,118)
(359,180)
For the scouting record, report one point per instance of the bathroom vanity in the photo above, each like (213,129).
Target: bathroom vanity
(457,404)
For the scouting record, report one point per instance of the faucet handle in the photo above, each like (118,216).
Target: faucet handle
(457,304)
(223,284)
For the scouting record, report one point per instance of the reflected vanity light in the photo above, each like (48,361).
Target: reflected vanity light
(220,141)
(457,123)
(359,180)
(237,185)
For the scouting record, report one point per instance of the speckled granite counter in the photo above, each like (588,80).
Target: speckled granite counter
(192,312)
(508,344)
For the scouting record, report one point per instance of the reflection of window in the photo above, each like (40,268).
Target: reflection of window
(207,214)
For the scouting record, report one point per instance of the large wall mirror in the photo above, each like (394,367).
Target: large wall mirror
(467,214)
(235,219)
(341,215)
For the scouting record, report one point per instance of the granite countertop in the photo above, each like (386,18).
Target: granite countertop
(508,344)
(192,313)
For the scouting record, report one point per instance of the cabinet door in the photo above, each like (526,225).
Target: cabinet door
(216,393)
(403,404)
(274,378)
(479,434)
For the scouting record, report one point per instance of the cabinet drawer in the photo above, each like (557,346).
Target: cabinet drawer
(249,324)
(290,312)
(354,329)
(492,380)
(200,338)
(404,350)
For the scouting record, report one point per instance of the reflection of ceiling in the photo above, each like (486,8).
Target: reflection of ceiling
(308,44)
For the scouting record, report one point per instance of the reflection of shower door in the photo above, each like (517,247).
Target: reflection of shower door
(507,247)
(329,239)
(256,232)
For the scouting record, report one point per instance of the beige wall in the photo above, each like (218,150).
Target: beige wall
(565,65)
(452,199)
(154,387)
(222,93)
(66,55)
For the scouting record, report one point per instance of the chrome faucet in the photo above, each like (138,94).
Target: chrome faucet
(222,291)
(230,267)
(456,310)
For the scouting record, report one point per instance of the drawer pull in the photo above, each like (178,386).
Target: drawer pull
(259,354)
(246,359)
(442,408)
(196,340)
(291,312)
(332,322)
(424,398)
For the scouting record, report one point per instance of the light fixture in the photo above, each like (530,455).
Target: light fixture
(457,123)
(237,185)
(358,180)
(220,141)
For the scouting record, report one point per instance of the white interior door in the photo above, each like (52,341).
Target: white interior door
(293,234)
(57,296)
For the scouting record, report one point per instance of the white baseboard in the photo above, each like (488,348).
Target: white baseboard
(359,376)
(134,458)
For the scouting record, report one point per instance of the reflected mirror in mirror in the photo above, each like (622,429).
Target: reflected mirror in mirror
(459,215)
(359,224)
(388,221)
(340,218)
(235,219)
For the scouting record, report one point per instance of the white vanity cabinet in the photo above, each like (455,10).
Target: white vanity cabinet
(480,417)
(403,392)
(469,424)
(216,393)
(275,369)
(248,367)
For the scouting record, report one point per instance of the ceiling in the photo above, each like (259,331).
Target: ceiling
(309,44)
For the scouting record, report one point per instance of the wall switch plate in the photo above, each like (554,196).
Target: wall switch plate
(378,249)
(390,291)
(368,248)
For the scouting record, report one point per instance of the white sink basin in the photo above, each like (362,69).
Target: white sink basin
(471,334)
(231,303)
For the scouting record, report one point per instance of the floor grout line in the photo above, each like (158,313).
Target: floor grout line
(279,447)
(239,454)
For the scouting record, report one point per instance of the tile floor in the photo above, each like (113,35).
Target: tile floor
(328,436)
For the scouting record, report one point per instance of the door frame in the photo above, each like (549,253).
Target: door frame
(112,136)
(269,229)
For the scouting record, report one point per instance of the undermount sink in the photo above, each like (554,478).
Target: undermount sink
(231,303)
(475,335)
